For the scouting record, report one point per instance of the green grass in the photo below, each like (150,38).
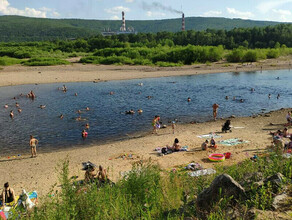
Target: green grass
(45,62)
(147,192)
(8,61)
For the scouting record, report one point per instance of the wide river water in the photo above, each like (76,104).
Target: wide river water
(106,116)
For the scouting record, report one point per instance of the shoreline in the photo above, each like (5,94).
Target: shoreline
(40,173)
(76,72)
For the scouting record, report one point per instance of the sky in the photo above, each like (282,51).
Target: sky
(271,10)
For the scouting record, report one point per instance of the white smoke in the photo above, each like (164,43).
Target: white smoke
(157,5)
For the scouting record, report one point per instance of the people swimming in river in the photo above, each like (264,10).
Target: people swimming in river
(241,100)
(79,111)
(11,114)
(31,95)
(84,134)
(278,96)
(130,112)
(149,97)
(252,89)
(87,126)
(75,94)
(64,88)
(16,104)
(19,110)
(140,111)
(42,106)
(111,93)
(269,96)
(6,106)
(189,99)
(234,98)
(226,97)
(87,109)
(61,116)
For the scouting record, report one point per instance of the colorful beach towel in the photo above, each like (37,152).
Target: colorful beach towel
(202,172)
(232,142)
(209,136)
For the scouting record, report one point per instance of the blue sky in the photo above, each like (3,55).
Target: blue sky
(274,10)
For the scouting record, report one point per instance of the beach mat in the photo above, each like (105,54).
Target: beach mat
(209,136)
(232,142)
(202,172)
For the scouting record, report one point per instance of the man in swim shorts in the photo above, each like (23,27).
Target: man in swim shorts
(33,143)
(215,108)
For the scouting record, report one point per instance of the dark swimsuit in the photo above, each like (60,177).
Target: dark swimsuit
(8,197)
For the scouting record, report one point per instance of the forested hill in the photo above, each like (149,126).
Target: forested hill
(17,28)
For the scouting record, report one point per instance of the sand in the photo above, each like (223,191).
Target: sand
(41,173)
(76,72)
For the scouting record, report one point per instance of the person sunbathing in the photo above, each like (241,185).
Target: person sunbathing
(90,175)
(176,146)
(205,145)
(286,133)
(8,194)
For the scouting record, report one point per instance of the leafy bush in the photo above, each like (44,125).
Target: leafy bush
(250,56)
(45,62)
(273,53)
(235,56)
(7,61)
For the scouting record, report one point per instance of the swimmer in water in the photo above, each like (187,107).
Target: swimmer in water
(42,106)
(64,88)
(19,110)
(87,109)
(111,93)
(79,111)
(87,126)
(140,111)
(278,96)
(269,96)
(76,94)
(78,118)
(252,89)
(61,116)
(84,134)
(11,114)
(6,106)
(189,99)
(241,100)
(226,97)
(16,104)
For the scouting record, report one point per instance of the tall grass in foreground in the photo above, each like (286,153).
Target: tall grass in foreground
(147,192)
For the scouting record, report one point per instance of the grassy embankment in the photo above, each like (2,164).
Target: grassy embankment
(147,192)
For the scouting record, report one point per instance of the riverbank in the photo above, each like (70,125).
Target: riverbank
(40,173)
(76,72)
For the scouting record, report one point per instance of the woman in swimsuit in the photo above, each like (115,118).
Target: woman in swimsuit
(8,195)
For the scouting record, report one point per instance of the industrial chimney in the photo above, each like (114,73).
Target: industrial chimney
(183,22)
(123,28)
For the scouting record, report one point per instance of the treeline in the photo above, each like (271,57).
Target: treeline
(163,48)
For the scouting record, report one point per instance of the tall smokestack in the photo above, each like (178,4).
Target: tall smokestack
(183,27)
(123,28)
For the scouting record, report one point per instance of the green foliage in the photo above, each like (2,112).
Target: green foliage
(273,53)
(45,62)
(250,56)
(7,61)
(235,56)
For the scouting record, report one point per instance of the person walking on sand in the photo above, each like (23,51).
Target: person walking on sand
(33,143)
(155,124)
(215,109)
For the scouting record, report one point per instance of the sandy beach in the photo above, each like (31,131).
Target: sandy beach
(76,72)
(40,173)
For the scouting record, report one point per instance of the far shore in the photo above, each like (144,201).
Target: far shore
(76,72)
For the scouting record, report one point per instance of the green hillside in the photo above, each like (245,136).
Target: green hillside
(18,28)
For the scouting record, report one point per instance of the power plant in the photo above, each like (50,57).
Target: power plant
(131,30)
(123,29)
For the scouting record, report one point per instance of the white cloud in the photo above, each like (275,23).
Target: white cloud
(282,15)
(212,13)
(6,9)
(265,7)
(129,1)
(116,10)
(115,17)
(155,14)
(239,14)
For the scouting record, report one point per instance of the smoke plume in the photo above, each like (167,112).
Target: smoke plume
(157,5)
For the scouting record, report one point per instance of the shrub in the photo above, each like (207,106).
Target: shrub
(235,56)
(273,53)
(45,62)
(250,56)
(7,61)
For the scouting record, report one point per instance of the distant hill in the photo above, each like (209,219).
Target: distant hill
(18,28)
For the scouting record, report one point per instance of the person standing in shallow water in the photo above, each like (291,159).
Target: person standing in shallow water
(33,143)
(215,109)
